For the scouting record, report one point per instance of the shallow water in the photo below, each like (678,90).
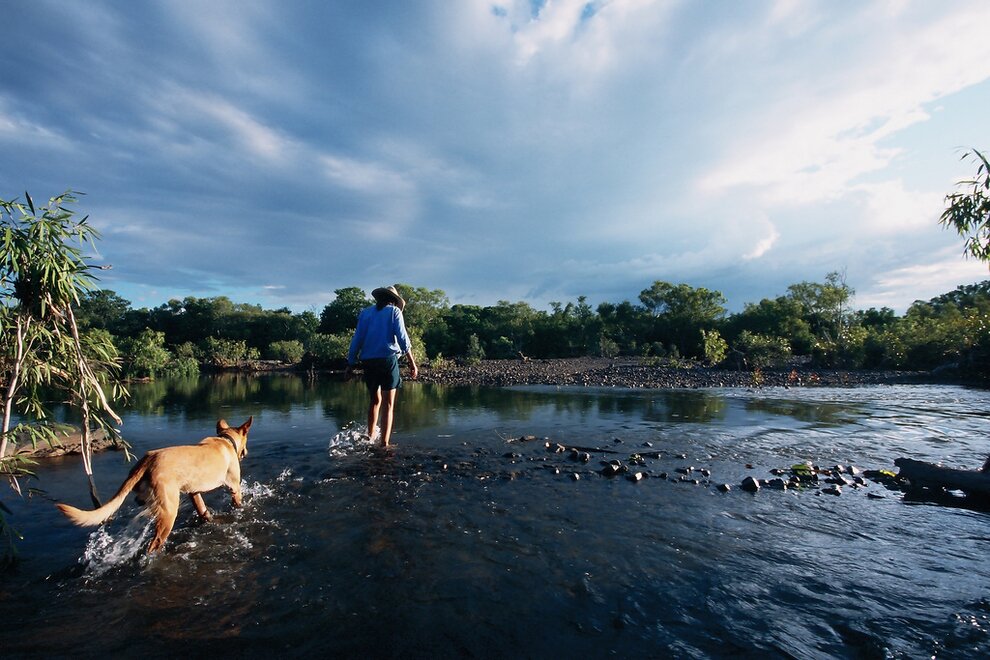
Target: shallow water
(464,542)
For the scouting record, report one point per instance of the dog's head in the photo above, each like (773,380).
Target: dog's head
(236,434)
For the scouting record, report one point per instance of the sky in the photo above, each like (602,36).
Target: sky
(521,150)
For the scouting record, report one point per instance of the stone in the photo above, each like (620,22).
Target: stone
(777,484)
(724,488)
(610,470)
(750,485)
(832,490)
(635,476)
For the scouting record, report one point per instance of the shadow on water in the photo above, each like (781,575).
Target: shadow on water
(465,540)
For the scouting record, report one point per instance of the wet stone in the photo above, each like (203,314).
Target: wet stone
(750,485)
(777,484)
(724,488)
(832,490)
(610,470)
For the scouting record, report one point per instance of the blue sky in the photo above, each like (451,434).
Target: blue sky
(501,150)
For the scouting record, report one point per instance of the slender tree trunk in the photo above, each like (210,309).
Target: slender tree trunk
(8,401)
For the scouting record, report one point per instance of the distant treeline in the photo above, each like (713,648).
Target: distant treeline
(811,323)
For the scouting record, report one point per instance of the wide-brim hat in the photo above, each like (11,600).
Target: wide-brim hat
(389,295)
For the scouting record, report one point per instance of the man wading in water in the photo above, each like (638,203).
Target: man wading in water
(380,339)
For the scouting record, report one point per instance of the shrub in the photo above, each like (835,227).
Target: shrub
(715,348)
(327,350)
(144,356)
(227,352)
(762,351)
(290,351)
(474,353)
(607,347)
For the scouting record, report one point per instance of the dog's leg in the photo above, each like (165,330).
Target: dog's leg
(234,483)
(167,505)
(197,500)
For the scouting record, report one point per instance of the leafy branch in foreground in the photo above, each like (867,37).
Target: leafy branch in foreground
(968,209)
(42,274)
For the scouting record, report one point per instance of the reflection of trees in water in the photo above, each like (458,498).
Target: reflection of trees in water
(422,405)
(677,406)
(832,414)
(208,394)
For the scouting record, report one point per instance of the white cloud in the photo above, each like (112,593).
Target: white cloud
(900,287)
(889,208)
(764,244)
(364,176)
(832,125)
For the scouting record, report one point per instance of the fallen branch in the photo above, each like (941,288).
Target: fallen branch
(929,475)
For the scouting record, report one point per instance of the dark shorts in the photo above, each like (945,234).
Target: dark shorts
(382,372)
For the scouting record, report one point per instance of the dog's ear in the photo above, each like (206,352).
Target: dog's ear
(221,425)
(246,425)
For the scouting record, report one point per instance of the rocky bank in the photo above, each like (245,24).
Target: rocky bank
(638,373)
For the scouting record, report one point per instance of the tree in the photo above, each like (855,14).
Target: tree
(681,312)
(423,306)
(145,356)
(341,314)
(968,209)
(824,305)
(102,309)
(43,273)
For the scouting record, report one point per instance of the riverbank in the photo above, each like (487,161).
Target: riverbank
(639,373)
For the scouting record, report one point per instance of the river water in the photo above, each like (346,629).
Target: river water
(464,542)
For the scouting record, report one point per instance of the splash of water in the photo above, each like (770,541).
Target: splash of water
(350,438)
(105,551)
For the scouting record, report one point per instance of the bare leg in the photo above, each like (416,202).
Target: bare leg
(388,405)
(376,402)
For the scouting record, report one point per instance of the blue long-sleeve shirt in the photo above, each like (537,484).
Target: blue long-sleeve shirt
(379,333)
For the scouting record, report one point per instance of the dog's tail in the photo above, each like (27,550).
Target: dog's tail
(96,516)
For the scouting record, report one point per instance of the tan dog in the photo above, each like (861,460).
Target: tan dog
(163,474)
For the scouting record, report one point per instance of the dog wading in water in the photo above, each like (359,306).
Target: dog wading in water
(380,340)
(162,474)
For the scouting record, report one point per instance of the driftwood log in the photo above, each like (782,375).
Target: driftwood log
(67,442)
(929,475)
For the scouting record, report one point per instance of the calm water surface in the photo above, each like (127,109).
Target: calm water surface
(460,543)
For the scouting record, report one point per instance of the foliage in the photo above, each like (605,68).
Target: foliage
(324,350)
(228,352)
(423,306)
(968,209)
(680,312)
(102,309)
(42,274)
(290,351)
(474,353)
(341,314)
(715,348)
(144,356)
(762,351)
(814,318)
